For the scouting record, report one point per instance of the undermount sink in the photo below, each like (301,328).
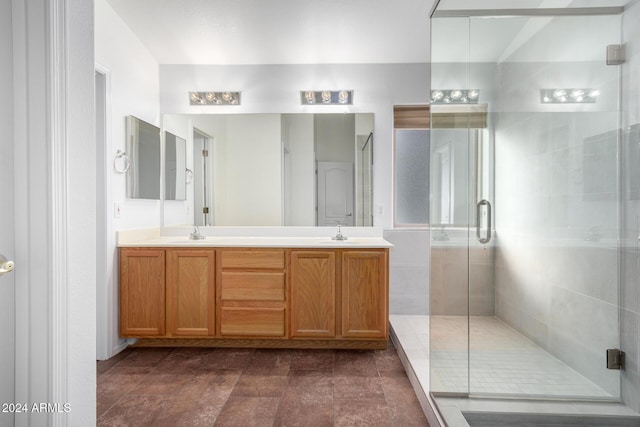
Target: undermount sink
(339,242)
(191,241)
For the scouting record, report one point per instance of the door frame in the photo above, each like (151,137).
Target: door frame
(55,251)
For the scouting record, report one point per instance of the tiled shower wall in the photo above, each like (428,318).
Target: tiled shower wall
(630,195)
(462,276)
(408,271)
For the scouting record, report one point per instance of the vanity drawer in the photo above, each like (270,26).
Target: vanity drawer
(253,321)
(252,286)
(253,259)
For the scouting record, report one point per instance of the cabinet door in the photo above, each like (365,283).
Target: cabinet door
(190,292)
(313,294)
(364,294)
(142,292)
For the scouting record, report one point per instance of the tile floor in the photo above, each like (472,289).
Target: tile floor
(255,387)
(503,361)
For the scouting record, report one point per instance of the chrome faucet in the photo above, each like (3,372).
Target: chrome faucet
(339,235)
(195,235)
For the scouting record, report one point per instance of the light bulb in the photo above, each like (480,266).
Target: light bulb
(577,93)
(437,95)
(559,93)
(310,97)
(326,96)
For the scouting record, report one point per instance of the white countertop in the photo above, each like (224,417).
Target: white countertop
(156,238)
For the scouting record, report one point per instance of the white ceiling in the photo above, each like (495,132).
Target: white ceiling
(280,31)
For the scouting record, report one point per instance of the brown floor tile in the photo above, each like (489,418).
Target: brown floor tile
(296,409)
(362,412)
(403,404)
(134,411)
(162,384)
(115,383)
(244,411)
(200,401)
(260,385)
(315,360)
(269,362)
(310,386)
(144,357)
(225,358)
(354,363)
(185,360)
(388,360)
(104,365)
(357,388)
(210,383)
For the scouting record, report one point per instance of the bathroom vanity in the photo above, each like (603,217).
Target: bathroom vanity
(255,292)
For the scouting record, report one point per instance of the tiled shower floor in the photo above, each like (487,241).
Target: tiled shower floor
(503,362)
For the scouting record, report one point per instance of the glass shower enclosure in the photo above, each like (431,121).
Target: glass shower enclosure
(526,187)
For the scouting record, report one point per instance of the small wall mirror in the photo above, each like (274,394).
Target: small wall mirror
(175,167)
(143,148)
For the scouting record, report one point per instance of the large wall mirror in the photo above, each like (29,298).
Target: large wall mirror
(278,169)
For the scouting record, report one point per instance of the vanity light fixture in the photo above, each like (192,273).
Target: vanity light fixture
(326,97)
(569,96)
(214,98)
(455,96)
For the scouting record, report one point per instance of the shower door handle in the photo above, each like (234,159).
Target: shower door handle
(487,238)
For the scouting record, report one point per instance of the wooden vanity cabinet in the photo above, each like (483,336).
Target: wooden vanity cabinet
(313,293)
(252,293)
(268,297)
(365,294)
(142,292)
(191,292)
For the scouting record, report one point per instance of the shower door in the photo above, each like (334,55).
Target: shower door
(525,216)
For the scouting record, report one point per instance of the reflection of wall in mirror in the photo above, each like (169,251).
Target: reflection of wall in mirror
(143,147)
(299,191)
(175,167)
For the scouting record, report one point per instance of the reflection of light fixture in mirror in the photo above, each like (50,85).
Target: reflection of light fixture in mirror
(455,96)
(310,97)
(569,96)
(326,97)
(214,98)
